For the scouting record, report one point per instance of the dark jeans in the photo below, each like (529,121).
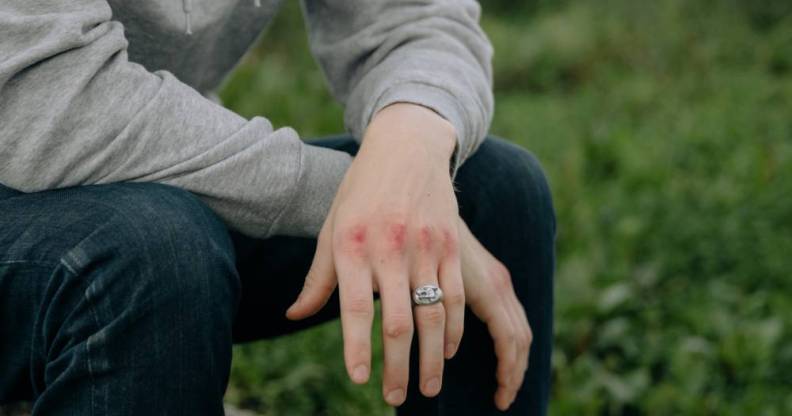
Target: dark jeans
(125,299)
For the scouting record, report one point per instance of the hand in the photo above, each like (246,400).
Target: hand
(490,295)
(391,228)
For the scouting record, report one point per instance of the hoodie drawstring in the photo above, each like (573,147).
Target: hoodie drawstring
(187,6)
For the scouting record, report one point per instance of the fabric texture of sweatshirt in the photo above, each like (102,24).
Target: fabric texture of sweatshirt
(103,91)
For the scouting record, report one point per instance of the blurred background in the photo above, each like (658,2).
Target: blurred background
(665,128)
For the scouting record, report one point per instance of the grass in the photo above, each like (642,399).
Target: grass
(666,132)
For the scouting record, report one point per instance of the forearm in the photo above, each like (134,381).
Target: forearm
(74,111)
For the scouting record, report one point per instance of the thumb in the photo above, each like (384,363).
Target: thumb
(319,284)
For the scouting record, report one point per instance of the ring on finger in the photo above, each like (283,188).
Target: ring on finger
(427,295)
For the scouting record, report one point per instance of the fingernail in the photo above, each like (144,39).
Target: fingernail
(432,386)
(394,397)
(360,374)
(450,350)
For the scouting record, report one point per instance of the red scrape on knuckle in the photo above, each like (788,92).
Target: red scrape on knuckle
(449,243)
(354,241)
(396,235)
(358,234)
(425,238)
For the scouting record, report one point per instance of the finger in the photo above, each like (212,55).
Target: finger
(517,373)
(397,332)
(430,320)
(523,343)
(501,328)
(454,302)
(357,314)
(508,361)
(319,283)
(522,329)
(513,309)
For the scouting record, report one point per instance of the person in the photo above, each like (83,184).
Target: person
(146,228)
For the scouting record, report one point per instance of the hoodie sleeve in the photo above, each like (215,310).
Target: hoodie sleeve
(74,110)
(427,52)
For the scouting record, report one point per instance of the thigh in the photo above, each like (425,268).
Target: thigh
(101,263)
(33,239)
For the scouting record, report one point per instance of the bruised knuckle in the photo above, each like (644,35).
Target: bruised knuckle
(396,233)
(352,240)
(450,242)
(426,238)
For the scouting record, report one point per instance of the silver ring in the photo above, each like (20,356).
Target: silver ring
(427,295)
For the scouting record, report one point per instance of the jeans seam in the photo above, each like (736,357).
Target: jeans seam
(97,327)
(89,352)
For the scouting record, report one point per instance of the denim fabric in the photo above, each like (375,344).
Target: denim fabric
(125,299)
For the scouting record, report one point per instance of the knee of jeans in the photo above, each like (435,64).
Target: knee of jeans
(511,182)
(156,246)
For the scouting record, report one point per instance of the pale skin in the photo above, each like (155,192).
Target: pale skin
(393,226)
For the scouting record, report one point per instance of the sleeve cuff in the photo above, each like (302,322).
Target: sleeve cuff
(436,99)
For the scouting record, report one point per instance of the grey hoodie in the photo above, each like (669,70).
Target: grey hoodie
(102,91)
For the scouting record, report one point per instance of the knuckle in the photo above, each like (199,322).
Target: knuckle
(312,282)
(502,282)
(529,336)
(397,326)
(351,238)
(358,307)
(426,238)
(501,269)
(522,342)
(512,337)
(396,232)
(456,299)
(450,242)
(433,315)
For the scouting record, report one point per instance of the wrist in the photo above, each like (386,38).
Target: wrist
(412,125)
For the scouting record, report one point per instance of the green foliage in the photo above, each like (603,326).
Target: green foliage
(666,130)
